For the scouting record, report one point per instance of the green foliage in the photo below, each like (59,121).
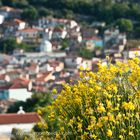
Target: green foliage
(30,14)
(45,12)
(32,104)
(85,53)
(18,134)
(10,44)
(15,3)
(120,10)
(64,44)
(125,25)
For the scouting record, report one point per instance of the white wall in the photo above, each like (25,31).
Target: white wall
(7,128)
(21,25)
(132,54)
(19,94)
(1,19)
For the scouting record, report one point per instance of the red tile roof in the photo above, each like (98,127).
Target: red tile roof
(2,77)
(17,83)
(134,49)
(18,21)
(19,118)
(32,67)
(29,30)
(43,76)
(7,8)
(54,63)
(13,72)
(5,87)
(93,38)
(57,29)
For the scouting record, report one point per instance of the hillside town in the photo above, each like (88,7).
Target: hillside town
(59,48)
(51,65)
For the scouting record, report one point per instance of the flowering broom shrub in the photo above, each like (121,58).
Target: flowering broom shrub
(103,105)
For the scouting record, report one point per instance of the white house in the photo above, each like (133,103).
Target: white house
(46,46)
(110,33)
(53,22)
(18,89)
(86,64)
(55,65)
(133,52)
(10,13)
(1,19)
(29,35)
(73,62)
(59,33)
(25,122)
(20,24)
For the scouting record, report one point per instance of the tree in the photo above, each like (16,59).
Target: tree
(120,10)
(30,14)
(85,53)
(8,45)
(32,104)
(64,44)
(125,25)
(19,134)
(137,32)
(15,3)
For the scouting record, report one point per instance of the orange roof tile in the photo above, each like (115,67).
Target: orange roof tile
(30,30)
(43,76)
(19,118)
(7,8)
(18,21)
(134,49)
(92,38)
(2,77)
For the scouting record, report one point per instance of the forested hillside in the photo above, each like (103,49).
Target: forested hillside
(113,12)
(107,10)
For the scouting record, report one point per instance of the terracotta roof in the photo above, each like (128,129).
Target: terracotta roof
(54,63)
(7,8)
(19,118)
(43,76)
(134,49)
(13,72)
(17,83)
(93,38)
(2,77)
(32,67)
(58,29)
(30,30)
(18,86)
(5,87)
(18,21)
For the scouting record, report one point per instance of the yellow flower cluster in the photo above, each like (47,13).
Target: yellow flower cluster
(103,105)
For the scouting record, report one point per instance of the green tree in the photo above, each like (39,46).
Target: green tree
(125,25)
(64,44)
(85,53)
(8,45)
(30,14)
(120,10)
(32,104)
(43,12)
